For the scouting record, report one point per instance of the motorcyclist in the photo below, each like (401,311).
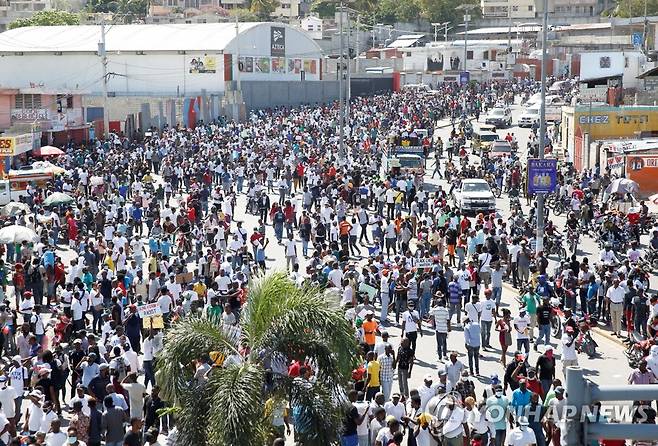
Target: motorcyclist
(608,256)
(572,222)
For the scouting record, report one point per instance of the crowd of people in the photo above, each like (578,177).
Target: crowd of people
(166,225)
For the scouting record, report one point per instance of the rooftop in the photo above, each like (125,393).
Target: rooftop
(85,38)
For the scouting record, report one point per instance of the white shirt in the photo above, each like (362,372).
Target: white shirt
(521,324)
(46,420)
(291,250)
(165,303)
(473,311)
(487,308)
(223,282)
(616,295)
(396,410)
(568,352)
(136,397)
(521,437)
(335,276)
(84,401)
(7,397)
(410,318)
(362,408)
(17,375)
(426,394)
(56,439)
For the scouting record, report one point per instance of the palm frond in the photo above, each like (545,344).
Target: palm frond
(317,410)
(192,415)
(237,411)
(325,335)
(264,304)
(184,342)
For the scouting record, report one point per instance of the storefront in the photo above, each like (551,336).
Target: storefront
(636,160)
(13,148)
(584,124)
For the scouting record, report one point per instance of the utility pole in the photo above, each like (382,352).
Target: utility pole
(103,54)
(341,111)
(445,32)
(348,95)
(542,124)
(356,44)
(237,55)
(436,26)
(467,18)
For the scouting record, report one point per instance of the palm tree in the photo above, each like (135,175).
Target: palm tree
(280,321)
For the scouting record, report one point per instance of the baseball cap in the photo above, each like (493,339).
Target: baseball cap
(559,389)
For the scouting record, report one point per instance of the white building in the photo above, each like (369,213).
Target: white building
(155,60)
(482,55)
(313,26)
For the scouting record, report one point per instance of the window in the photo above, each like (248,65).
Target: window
(485,55)
(515,8)
(469,55)
(530,7)
(28,101)
(625,62)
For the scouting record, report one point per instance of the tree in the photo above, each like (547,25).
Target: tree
(263,8)
(244,15)
(324,9)
(123,7)
(47,18)
(280,321)
(445,11)
(633,8)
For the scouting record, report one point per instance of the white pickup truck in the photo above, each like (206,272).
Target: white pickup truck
(553,111)
(473,196)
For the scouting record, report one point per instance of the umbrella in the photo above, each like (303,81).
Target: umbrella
(48,151)
(96,181)
(622,186)
(57,198)
(17,234)
(14,208)
(652,204)
(49,167)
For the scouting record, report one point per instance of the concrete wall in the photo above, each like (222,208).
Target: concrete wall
(264,94)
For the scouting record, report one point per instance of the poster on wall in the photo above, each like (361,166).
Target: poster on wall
(202,65)
(294,66)
(310,66)
(279,65)
(246,64)
(435,63)
(277,41)
(263,65)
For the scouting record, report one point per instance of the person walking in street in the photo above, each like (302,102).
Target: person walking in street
(472,339)
(441,318)
(404,363)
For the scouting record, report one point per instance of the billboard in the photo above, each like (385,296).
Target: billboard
(202,65)
(277,41)
(542,175)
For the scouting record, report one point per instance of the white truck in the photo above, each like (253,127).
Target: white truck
(474,196)
(531,114)
(14,184)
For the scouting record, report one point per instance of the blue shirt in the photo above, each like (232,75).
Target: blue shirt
(520,400)
(472,334)
(48,258)
(165,245)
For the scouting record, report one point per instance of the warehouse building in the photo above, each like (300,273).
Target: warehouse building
(54,75)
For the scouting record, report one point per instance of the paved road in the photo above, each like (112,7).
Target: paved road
(610,367)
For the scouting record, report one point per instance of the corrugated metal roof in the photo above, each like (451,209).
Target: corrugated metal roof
(85,38)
